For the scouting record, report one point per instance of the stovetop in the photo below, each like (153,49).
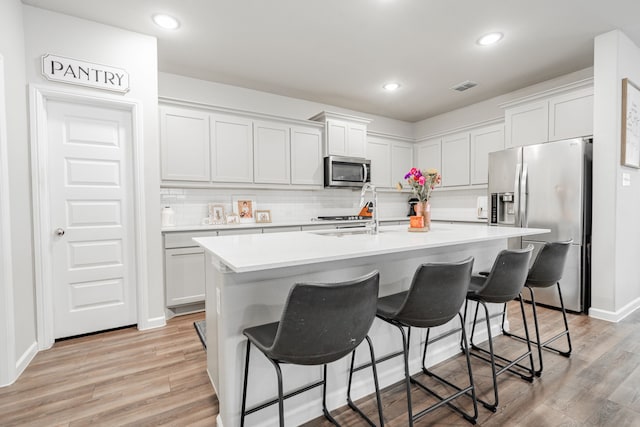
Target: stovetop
(342,218)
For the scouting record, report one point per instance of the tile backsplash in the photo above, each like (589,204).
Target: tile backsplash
(190,205)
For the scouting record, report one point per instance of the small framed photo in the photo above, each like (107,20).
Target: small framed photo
(244,207)
(216,214)
(630,124)
(233,219)
(263,216)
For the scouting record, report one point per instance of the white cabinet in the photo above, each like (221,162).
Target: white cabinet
(456,153)
(428,155)
(184,275)
(345,135)
(306,156)
(527,124)
(271,164)
(184,137)
(571,115)
(484,140)
(232,149)
(379,152)
(401,160)
(565,115)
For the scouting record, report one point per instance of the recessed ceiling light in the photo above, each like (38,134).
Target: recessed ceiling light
(490,38)
(165,21)
(391,86)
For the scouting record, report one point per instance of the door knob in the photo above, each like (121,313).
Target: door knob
(60,232)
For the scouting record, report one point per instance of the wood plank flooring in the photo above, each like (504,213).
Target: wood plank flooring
(158,377)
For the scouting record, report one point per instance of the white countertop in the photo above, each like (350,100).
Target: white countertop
(255,252)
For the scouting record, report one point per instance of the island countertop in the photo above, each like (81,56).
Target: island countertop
(256,252)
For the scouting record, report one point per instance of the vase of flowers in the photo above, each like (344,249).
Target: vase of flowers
(422,184)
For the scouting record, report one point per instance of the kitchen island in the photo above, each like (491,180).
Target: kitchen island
(248,278)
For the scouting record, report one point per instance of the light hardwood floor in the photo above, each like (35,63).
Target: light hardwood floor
(158,377)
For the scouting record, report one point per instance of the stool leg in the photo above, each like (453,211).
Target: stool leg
(244,388)
(566,324)
(325,411)
(528,340)
(407,377)
(537,328)
(504,315)
(494,406)
(473,388)
(375,380)
(280,392)
(473,326)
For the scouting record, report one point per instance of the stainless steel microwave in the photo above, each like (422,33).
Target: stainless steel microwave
(346,171)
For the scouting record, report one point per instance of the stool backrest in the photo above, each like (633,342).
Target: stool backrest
(507,276)
(549,264)
(436,294)
(323,322)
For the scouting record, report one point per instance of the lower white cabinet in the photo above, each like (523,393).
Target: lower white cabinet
(184,275)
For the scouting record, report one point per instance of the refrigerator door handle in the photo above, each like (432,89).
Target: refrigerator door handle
(516,195)
(523,196)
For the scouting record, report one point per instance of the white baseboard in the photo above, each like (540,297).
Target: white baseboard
(219,421)
(156,322)
(25,359)
(615,316)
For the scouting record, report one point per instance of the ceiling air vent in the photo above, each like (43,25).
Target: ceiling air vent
(467,84)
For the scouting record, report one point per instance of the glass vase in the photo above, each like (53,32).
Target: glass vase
(424,209)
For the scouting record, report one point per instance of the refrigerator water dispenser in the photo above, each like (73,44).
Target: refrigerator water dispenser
(503,209)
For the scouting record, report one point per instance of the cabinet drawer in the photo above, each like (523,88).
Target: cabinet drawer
(184,240)
(240,231)
(279,229)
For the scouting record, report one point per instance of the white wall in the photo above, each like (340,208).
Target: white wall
(616,209)
(218,94)
(19,323)
(48,32)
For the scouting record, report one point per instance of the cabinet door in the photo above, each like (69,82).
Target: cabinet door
(484,141)
(571,115)
(306,156)
(337,135)
(184,276)
(232,146)
(428,155)
(271,163)
(401,161)
(184,140)
(357,140)
(379,152)
(527,124)
(455,160)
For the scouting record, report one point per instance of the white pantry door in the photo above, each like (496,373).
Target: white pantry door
(91,217)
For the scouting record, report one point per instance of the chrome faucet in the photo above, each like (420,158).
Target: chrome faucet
(375,225)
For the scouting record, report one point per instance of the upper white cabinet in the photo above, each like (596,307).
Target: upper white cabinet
(306,156)
(232,149)
(391,159)
(571,115)
(456,154)
(566,113)
(428,155)
(379,152)
(345,135)
(484,141)
(184,138)
(271,164)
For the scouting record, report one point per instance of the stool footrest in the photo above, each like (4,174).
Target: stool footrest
(286,396)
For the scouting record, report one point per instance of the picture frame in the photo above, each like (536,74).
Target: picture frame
(244,207)
(216,214)
(263,216)
(233,219)
(630,130)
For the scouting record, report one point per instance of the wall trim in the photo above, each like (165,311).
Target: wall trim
(38,97)
(465,128)
(7,319)
(26,358)
(153,323)
(615,316)
(579,84)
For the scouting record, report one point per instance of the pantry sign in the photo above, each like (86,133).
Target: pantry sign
(73,71)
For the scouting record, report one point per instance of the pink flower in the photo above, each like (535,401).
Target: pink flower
(413,171)
(421,180)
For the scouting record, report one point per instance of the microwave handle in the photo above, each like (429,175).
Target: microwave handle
(364,167)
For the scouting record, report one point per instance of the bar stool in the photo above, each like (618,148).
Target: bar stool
(320,323)
(435,296)
(503,283)
(545,272)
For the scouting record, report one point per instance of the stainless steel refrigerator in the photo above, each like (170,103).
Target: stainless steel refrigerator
(548,186)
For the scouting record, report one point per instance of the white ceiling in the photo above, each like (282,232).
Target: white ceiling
(340,52)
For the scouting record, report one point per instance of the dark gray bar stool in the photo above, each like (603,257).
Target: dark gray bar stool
(545,272)
(320,323)
(435,296)
(503,283)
